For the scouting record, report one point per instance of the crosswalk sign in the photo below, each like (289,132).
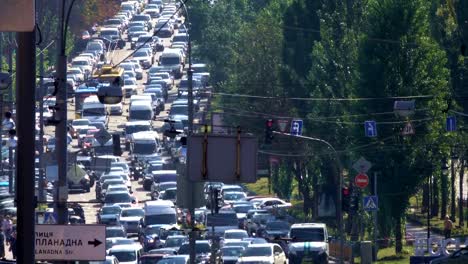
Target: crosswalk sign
(50,218)
(370,203)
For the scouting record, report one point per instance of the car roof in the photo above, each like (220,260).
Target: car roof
(305,225)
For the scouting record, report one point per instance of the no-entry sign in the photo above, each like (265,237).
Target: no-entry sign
(361,180)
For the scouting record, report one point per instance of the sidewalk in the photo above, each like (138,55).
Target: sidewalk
(419,231)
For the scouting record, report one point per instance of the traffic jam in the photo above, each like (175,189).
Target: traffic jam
(123,167)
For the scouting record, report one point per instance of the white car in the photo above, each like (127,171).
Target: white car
(77,72)
(266,203)
(165,76)
(126,254)
(84,63)
(116,109)
(130,87)
(78,124)
(263,253)
(231,235)
(144,57)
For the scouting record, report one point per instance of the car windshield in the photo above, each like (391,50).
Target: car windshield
(144,148)
(129,82)
(172,261)
(80,123)
(115,232)
(257,252)
(110,210)
(234,196)
(175,241)
(161,219)
(136,128)
(109,33)
(307,234)
(200,248)
(140,54)
(179,110)
(94,111)
(166,60)
(141,18)
(227,219)
(118,198)
(141,115)
(169,194)
(124,256)
(150,260)
(235,235)
(232,251)
(277,226)
(136,29)
(243,208)
(133,212)
(79,63)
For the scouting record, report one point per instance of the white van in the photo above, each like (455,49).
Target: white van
(141,110)
(143,144)
(94,111)
(160,212)
(173,60)
(127,254)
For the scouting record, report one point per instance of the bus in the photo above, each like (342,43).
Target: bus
(109,74)
(81,93)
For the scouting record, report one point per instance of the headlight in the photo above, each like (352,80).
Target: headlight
(322,250)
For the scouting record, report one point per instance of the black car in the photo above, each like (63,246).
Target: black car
(276,229)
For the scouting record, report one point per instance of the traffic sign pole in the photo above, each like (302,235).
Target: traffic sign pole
(375,249)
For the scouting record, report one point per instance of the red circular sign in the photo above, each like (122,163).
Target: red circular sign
(361,180)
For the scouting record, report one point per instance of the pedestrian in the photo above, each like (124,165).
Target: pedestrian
(13,244)
(8,123)
(7,225)
(2,245)
(448,225)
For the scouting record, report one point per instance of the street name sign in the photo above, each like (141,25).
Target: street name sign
(362,165)
(361,180)
(70,242)
(370,128)
(296,127)
(102,136)
(370,203)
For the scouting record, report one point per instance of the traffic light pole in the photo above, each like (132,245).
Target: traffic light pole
(25,106)
(339,194)
(61,126)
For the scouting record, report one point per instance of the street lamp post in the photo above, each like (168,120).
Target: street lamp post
(339,209)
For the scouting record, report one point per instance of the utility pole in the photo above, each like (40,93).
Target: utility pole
(61,124)
(10,68)
(190,131)
(42,197)
(25,105)
(376,230)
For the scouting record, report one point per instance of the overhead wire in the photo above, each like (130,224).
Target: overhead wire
(322,98)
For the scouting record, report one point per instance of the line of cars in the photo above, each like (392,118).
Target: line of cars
(246,229)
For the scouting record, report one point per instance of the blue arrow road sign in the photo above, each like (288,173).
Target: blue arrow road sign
(451,124)
(370,128)
(296,127)
(370,203)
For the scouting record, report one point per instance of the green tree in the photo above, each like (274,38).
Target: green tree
(399,58)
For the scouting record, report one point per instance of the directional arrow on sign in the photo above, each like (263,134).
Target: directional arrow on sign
(95,242)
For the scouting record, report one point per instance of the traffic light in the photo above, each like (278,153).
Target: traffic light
(345,199)
(268,131)
(216,200)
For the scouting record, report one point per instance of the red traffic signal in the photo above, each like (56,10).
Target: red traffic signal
(269,123)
